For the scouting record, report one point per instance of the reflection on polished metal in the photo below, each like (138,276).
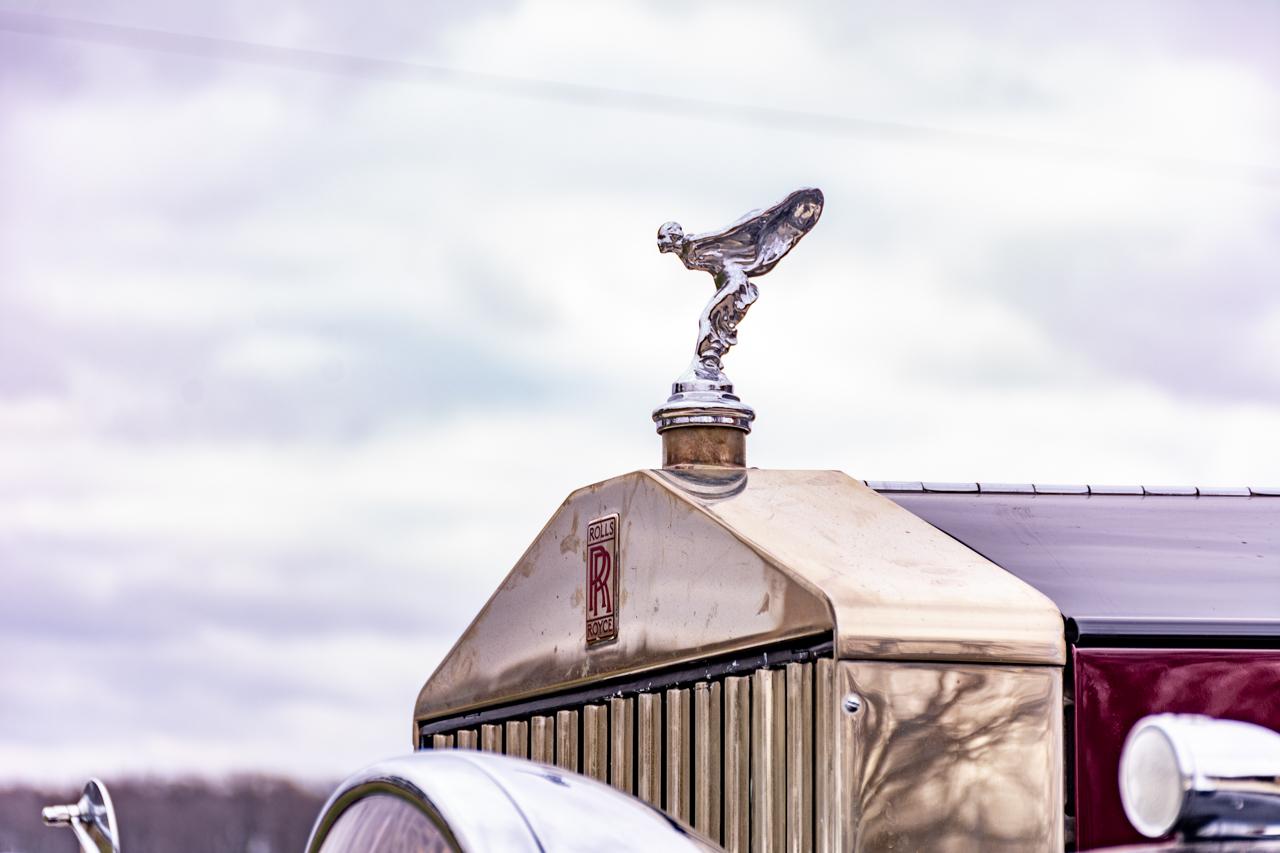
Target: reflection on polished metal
(442,741)
(777,555)
(542,739)
(750,247)
(622,731)
(706,482)
(567,740)
(799,734)
(491,738)
(595,742)
(706,759)
(468,739)
(92,818)
(825,824)
(1207,778)
(517,738)
(715,447)
(485,803)
(737,764)
(649,753)
(678,754)
(731,567)
(388,823)
(768,761)
(951,757)
(940,756)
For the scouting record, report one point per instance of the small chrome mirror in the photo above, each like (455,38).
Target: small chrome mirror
(1201,777)
(93,819)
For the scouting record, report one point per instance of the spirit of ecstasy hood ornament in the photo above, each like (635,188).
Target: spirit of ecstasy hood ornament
(750,247)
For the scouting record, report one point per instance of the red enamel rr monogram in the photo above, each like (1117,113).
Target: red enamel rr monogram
(602,579)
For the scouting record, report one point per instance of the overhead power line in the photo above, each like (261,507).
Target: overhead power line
(603,97)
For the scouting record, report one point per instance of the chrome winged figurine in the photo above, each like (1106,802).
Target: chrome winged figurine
(733,256)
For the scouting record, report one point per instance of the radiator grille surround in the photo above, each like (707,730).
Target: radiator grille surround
(733,756)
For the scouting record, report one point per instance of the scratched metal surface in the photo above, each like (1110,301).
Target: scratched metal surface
(726,560)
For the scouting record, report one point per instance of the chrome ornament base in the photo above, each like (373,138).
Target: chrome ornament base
(702,402)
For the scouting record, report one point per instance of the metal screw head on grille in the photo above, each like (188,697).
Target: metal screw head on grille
(852,703)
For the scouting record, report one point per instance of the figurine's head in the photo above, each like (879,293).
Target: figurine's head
(670,237)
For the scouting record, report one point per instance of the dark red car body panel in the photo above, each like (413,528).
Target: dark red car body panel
(1114,688)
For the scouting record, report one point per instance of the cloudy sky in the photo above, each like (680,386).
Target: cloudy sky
(311,313)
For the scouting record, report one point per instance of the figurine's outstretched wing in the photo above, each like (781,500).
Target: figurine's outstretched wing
(757,241)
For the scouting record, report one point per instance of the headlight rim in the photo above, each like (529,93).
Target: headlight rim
(1131,786)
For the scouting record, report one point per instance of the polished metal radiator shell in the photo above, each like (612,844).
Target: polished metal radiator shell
(819,754)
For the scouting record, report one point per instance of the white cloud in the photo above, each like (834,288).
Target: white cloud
(300,359)
(281,355)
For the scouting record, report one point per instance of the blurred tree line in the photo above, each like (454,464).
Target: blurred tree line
(244,814)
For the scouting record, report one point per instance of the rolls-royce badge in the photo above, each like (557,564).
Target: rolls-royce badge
(602,579)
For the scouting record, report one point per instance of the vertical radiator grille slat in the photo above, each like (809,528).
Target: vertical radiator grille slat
(677,758)
(517,738)
(542,739)
(706,759)
(799,734)
(622,732)
(747,760)
(567,740)
(649,749)
(595,742)
(768,761)
(737,764)
(491,737)
(825,812)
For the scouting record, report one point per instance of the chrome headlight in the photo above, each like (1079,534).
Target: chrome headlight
(1201,776)
(460,801)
